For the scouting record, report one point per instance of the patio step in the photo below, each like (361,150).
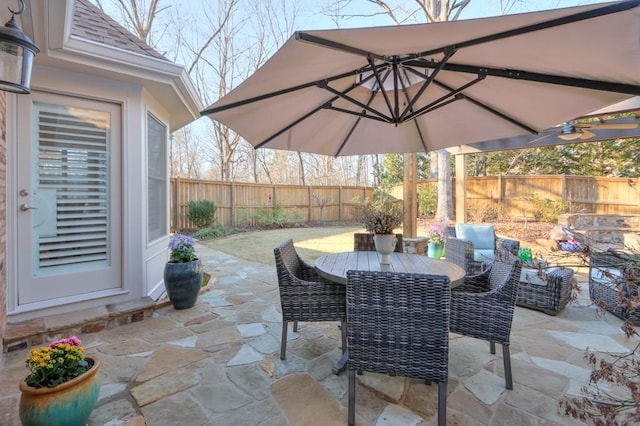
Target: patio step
(41,331)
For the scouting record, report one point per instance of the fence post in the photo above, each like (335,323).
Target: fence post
(563,187)
(340,203)
(232,197)
(176,204)
(273,202)
(310,203)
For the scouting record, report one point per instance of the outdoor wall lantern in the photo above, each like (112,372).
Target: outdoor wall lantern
(16,56)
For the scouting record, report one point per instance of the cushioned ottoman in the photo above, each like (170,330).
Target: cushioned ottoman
(548,292)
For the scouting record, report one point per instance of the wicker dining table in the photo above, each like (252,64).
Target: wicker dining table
(334,267)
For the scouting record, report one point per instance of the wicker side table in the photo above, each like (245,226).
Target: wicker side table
(549,293)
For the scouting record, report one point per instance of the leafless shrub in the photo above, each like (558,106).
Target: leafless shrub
(612,396)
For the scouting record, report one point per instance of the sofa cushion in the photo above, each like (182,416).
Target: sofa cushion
(606,275)
(483,237)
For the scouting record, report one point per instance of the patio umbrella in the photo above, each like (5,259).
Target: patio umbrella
(414,88)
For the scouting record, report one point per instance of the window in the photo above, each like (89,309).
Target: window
(157,182)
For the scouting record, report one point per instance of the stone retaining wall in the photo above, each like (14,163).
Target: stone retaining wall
(615,231)
(415,245)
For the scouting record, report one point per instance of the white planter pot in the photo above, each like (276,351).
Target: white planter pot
(385,245)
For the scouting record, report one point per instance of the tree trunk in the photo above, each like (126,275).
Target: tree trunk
(445,187)
(301,160)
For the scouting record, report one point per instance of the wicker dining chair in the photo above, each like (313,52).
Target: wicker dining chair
(304,295)
(464,253)
(484,310)
(398,324)
(363,241)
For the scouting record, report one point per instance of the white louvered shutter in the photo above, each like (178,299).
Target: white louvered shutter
(73,184)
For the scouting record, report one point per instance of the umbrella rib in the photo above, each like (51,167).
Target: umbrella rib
(491,110)
(426,110)
(381,84)
(279,92)
(396,107)
(355,102)
(302,36)
(358,114)
(607,86)
(353,128)
(594,13)
(304,117)
(415,122)
(436,104)
(427,83)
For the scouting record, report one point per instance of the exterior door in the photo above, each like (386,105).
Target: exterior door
(68,199)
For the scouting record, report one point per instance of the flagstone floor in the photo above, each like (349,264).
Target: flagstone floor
(218,364)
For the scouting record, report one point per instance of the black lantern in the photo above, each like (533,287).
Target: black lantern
(16,56)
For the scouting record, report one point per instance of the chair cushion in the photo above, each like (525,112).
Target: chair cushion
(483,237)
(531,276)
(484,255)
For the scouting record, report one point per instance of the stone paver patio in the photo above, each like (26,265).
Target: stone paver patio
(218,364)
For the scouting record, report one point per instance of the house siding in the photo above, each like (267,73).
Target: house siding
(3,216)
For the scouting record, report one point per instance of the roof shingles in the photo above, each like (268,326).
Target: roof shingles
(90,23)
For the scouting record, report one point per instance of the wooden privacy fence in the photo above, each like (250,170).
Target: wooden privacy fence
(237,203)
(519,196)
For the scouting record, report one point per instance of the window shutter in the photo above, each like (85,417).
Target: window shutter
(73,180)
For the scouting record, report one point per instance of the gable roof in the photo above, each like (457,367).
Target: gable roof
(91,23)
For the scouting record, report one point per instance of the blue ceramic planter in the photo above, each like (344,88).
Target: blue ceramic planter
(183,282)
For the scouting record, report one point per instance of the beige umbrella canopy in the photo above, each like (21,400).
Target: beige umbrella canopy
(415,88)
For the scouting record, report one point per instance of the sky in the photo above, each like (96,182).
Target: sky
(312,20)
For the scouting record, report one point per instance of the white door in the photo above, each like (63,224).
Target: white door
(68,198)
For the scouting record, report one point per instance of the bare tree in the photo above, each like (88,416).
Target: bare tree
(507,6)
(184,155)
(139,16)
(301,168)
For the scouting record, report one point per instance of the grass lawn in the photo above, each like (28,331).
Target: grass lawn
(310,243)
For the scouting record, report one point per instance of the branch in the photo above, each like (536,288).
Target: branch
(225,19)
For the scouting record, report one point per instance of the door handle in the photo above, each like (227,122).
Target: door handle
(25,207)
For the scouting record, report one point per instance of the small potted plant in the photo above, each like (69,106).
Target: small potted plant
(183,273)
(380,215)
(436,235)
(62,386)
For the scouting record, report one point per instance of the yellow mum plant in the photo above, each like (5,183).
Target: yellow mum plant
(57,363)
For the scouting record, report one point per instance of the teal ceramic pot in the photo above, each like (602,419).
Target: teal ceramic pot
(435,250)
(183,282)
(68,404)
